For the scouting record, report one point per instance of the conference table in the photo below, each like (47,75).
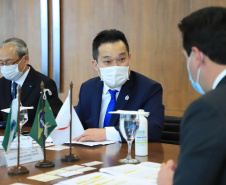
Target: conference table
(109,154)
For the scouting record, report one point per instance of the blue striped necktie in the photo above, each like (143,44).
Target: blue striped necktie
(14,90)
(110,108)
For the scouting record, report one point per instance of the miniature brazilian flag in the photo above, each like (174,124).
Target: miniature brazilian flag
(37,129)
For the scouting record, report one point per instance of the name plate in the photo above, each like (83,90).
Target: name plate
(26,156)
(25,142)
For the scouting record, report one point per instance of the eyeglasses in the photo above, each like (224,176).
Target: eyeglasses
(7,63)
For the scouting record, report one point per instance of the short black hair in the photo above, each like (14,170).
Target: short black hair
(108,36)
(206,29)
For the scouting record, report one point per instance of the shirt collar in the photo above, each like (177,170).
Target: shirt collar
(218,79)
(21,80)
(106,88)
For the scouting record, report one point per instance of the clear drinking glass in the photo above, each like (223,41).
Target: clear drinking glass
(23,118)
(129,125)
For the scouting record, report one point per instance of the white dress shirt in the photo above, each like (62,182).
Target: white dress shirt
(218,79)
(111,133)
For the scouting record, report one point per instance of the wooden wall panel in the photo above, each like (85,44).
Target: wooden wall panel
(22,19)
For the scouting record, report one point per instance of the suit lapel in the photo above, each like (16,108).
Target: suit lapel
(28,84)
(123,99)
(96,105)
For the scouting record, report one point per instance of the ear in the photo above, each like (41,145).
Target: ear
(129,63)
(95,65)
(129,57)
(26,59)
(198,56)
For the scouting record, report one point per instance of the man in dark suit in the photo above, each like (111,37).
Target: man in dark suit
(202,158)
(124,89)
(14,60)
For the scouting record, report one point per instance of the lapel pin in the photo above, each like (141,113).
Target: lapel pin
(127,97)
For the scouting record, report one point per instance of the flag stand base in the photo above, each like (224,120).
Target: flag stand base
(70,158)
(18,170)
(44,164)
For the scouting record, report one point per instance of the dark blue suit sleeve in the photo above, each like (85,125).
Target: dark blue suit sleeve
(79,109)
(153,105)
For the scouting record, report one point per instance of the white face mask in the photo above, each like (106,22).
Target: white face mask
(114,76)
(12,72)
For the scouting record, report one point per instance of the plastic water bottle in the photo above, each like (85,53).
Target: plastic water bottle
(141,140)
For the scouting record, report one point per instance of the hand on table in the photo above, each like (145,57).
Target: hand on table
(166,173)
(92,134)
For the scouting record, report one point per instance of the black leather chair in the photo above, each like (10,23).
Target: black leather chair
(171,131)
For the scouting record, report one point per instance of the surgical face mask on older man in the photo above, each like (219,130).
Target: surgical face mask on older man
(11,72)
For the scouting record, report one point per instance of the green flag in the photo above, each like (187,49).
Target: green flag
(37,129)
(11,126)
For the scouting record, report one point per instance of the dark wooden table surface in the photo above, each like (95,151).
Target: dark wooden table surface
(109,154)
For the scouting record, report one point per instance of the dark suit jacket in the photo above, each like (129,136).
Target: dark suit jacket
(143,93)
(30,94)
(202,158)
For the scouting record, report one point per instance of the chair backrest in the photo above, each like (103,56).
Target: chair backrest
(171,131)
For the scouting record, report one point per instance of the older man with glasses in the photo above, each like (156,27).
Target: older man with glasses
(14,59)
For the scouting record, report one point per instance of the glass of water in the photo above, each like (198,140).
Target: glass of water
(129,125)
(23,118)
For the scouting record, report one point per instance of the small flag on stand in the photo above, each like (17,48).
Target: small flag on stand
(43,125)
(11,126)
(68,104)
(61,134)
(37,129)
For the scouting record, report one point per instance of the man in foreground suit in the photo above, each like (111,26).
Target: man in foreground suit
(202,158)
(14,60)
(125,89)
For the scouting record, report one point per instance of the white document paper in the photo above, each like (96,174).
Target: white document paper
(26,156)
(96,178)
(140,174)
(92,143)
(73,167)
(61,133)
(86,169)
(25,142)
(2,159)
(92,163)
(150,165)
(70,173)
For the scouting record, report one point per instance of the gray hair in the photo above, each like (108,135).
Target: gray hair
(20,46)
